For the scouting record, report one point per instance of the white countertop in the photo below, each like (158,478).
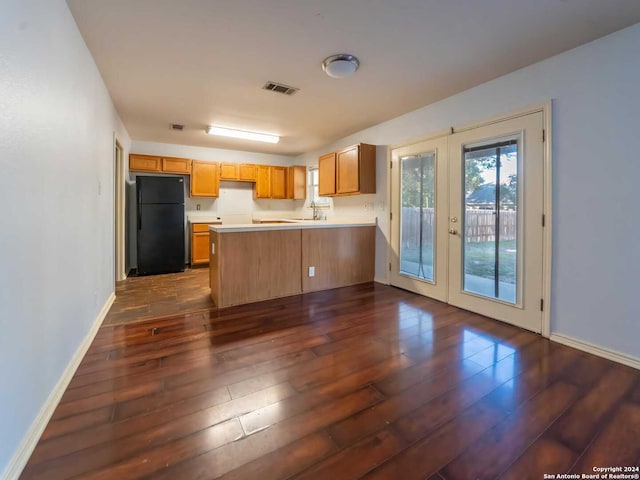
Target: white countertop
(191,218)
(290,224)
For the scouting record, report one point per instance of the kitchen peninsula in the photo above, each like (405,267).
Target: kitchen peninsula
(255,262)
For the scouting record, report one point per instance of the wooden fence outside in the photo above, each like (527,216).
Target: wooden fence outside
(480,225)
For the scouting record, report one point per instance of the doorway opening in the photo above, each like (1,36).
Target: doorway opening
(119,213)
(468,219)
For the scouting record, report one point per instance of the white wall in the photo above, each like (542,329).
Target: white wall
(235,198)
(596,172)
(57,125)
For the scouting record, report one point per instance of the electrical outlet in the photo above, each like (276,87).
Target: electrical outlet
(312,271)
(198,206)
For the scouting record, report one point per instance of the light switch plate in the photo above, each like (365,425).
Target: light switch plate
(312,271)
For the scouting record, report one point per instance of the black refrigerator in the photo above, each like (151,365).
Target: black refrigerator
(160,224)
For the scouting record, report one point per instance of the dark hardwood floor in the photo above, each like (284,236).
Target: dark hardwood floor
(146,297)
(360,382)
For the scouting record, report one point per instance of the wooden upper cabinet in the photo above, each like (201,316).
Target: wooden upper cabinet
(152,163)
(263,182)
(278,182)
(144,163)
(348,170)
(229,171)
(205,179)
(239,172)
(297,182)
(176,165)
(327,174)
(247,172)
(354,170)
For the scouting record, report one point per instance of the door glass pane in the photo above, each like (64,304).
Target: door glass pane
(490,239)
(417,222)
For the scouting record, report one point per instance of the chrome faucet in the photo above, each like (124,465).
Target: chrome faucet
(316,210)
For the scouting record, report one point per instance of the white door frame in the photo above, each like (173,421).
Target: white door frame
(546,109)
(119,211)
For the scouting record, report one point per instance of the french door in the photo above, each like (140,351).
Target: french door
(419,238)
(467,219)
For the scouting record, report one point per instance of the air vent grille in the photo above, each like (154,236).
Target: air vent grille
(280,88)
(177,126)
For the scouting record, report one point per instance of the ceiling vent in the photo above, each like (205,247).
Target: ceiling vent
(280,88)
(177,126)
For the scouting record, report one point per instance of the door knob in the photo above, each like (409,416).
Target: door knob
(453,231)
(454,219)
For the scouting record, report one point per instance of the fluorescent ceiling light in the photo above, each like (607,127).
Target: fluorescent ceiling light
(231,132)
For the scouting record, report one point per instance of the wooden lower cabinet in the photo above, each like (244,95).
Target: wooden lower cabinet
(258,265)
(340,257)
(200,243)
(252,266)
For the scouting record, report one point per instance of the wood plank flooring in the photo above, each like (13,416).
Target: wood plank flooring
(153,296)
(361,382)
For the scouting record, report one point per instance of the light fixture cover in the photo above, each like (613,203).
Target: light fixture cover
(341,65)
(234,133)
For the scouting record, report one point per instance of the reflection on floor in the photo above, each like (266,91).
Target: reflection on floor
(472,283)
(360,382)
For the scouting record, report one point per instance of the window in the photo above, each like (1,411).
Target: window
(312,183)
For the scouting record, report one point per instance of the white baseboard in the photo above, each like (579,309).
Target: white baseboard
(596,350)
(30,439)
(383,281)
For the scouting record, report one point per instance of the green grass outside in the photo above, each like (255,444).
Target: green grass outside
(479,259)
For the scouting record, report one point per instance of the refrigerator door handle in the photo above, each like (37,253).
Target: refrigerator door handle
(139,218)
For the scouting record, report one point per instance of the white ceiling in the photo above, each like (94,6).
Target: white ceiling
(199,62)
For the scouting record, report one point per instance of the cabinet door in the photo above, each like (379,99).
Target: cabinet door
(348,170)
(228,171)
(367,168)
(144,163)
(199,248)
(327,174)
(297,182)
(176,165)
(205,179)
(278,182)
(289,184)
(248,172)
(263,181)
